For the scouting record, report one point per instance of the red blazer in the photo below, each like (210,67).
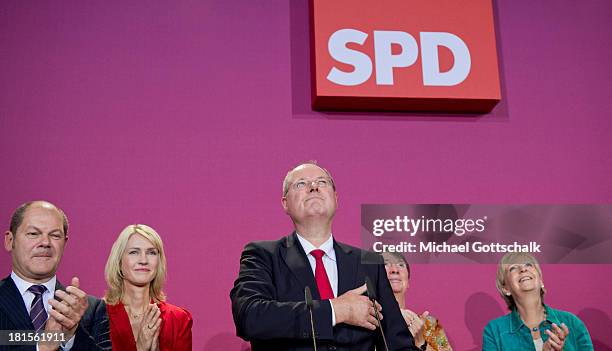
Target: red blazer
(175,333)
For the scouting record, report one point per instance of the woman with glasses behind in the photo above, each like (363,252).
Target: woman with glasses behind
(531,325)
(140,318)
(427,331)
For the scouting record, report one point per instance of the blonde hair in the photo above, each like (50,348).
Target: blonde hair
(112,271)
(513,258)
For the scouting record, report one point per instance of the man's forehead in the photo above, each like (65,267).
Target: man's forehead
(42,216)
(307,171)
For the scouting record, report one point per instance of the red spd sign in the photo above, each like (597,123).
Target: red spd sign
(404,55)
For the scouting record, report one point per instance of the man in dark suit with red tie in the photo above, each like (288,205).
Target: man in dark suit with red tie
(31,298)
(268,296)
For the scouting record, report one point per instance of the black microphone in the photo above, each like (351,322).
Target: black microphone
(372,296)
(309,304)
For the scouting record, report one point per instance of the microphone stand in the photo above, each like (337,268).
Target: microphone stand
(309,303)
(372,297)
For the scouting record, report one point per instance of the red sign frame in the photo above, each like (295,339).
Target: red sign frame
(424,55)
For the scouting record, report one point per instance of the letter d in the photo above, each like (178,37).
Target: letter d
(431,64)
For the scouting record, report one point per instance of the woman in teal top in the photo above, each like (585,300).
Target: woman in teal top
(531,325)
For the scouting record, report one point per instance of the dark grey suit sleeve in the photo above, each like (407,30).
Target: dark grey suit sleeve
(257,312)
(396,331)
(93,333)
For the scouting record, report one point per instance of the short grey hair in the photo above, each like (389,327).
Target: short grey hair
(500,278)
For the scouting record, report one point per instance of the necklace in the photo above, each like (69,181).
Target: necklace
(134,315)
(537,327)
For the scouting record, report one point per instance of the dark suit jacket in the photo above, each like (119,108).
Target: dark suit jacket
(92,332)
(268,300)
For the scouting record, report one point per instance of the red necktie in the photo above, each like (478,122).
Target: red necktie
(325,289)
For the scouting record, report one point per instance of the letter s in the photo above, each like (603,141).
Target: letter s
(338,50)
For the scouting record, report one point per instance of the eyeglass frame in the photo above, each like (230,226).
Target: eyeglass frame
(309,184)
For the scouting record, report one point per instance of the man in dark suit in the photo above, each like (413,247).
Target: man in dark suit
(268,297)
(31,298)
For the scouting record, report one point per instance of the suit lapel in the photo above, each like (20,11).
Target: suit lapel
(347,262)
(12,305)
(294,256)
(59,286)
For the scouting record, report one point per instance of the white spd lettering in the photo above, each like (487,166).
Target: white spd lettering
(386,61)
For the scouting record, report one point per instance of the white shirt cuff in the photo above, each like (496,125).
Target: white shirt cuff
(65,347)
(68,345)
(333,314)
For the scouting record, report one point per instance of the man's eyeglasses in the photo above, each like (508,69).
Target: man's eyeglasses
(317,183)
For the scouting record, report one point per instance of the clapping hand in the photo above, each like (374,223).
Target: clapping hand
(416,325)
(67,310)
(148,335)
(69,307)
(556,338)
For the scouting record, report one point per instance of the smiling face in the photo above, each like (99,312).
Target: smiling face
(521,278)
(519,275)
(139,262)
(310,194)
(38,243)
(397,273)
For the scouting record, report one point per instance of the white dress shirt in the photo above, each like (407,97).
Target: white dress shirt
(329,261)
(28,297)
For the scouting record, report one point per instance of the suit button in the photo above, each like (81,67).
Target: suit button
(305,335)
(332,347)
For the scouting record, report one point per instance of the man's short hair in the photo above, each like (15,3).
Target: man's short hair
(309,162)
(19,213)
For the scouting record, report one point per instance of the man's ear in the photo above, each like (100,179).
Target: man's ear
(284,203)
(8,241)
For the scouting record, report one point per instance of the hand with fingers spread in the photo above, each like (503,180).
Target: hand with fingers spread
(416,325)
(69,307)
(556,337)
(148,333)
(355,309)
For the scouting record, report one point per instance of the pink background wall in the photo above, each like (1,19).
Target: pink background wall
(186,115)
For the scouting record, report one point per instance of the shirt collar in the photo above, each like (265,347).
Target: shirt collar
(327,246)
(551,316)
(23,285)
(516,322)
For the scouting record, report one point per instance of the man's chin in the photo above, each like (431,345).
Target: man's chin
(317,209)
(45,269)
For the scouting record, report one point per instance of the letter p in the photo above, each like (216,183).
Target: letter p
(385,60)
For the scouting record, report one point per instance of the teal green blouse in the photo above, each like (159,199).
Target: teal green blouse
(508,333)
